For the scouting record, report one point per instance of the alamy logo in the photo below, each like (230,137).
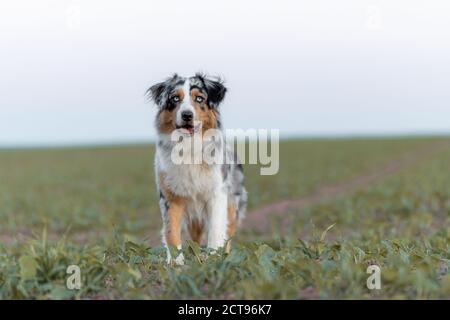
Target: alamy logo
(374,280)
(209,147)
(374,19)
(73,17)
(74,280)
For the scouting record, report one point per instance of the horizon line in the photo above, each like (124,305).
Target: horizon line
(284,137)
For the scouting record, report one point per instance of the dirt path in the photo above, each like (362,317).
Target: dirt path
(258,219)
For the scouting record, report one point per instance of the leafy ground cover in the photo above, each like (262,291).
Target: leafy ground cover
(97,208)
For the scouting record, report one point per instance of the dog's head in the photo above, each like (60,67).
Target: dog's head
(185,103)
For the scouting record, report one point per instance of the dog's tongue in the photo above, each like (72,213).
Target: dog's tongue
(190,129)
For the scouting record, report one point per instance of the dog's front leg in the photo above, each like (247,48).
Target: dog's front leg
(172,229)
(217,220)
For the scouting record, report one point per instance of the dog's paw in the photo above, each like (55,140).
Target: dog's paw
(179,260)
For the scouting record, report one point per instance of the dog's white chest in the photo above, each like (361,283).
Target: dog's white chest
(193,180)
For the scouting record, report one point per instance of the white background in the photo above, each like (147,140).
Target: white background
(74,72)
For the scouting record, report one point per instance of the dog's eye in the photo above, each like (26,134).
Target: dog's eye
(176,99)
(199,99)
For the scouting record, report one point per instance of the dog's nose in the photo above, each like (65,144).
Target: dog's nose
(187,115)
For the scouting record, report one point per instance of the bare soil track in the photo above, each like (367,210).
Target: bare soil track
(258,219)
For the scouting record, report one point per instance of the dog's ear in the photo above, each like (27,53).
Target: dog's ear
(158,92)
(215,90)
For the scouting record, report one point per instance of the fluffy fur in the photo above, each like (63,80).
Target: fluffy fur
(202,198)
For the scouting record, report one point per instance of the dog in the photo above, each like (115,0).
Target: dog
(201,197)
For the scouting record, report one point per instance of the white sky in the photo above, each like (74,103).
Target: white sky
(76,71)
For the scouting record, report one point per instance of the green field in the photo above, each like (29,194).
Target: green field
(98,208)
